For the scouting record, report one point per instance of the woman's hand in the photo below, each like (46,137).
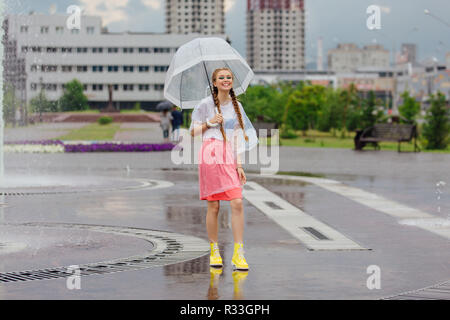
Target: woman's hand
(242,176)
(218,118)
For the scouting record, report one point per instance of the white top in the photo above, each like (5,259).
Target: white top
(206,111)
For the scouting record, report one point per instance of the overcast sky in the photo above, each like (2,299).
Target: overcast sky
(334,21)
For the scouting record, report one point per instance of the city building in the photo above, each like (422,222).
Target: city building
(276,34)
(42,53)
(195,16)
(324,78)
(408,53)
(447,60)
(348,57)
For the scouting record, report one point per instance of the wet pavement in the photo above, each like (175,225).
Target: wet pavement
(281,266)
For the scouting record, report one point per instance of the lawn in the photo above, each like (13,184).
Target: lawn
(318,139)
(94,132)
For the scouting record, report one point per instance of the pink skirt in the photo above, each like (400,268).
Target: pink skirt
(217,175)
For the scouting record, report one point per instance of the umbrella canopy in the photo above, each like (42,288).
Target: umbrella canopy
(188,79)
(165,105)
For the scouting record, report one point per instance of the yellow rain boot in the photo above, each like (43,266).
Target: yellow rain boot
(238,260)
(215,260)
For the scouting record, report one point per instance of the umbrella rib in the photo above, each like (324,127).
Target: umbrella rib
(181,85)
(204,67)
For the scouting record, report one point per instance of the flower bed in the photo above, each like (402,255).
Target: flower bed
(35,142)
(118,147)
(56,146)
(33,148)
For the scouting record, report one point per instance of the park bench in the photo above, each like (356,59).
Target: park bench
(265,125)
(264,122)
(386,132)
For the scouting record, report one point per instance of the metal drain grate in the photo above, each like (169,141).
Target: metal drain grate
(247,187)
(170,248)
(315,233)
(144,184)
(273,205)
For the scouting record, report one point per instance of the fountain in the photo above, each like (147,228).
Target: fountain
(2,123)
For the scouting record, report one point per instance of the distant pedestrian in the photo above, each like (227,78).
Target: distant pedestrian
(177,120)
(166,118)
(17,117)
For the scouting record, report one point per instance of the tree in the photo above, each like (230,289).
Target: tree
(73,98)
(302,108)
(10,103)
(352,113)
(410,107)
(437,126)
(40,104)
(331,111)
(369,117)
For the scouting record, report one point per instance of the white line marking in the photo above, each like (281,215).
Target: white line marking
(395,209)
(292,219)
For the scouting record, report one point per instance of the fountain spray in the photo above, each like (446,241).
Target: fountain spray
(2,122)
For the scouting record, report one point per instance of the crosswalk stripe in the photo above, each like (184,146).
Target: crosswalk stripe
(299,224)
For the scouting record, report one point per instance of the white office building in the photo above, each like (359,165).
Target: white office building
(41,52)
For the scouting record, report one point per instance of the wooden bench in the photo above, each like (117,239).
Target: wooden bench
(386,132)
(265,125)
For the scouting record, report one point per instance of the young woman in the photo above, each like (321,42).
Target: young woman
(226,132)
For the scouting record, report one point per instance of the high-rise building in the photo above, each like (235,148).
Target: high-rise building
(348,57)
(276,34)
(447,60)
(195,16)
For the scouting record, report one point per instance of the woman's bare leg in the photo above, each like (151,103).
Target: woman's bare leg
(212,226)
(237,220)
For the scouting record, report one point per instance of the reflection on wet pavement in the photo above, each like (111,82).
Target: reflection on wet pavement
(194,216)
(238,281)
(213,292)
(276,256)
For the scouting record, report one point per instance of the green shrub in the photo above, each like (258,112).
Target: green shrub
(288,134)
(137,106)
(105,120)
(436,129)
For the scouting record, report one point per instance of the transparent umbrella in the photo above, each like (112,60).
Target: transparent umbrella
(188,79)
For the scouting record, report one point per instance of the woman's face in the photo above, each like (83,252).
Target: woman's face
(224,80)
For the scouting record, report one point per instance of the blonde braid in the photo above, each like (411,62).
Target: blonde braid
(217,103)
(238,112)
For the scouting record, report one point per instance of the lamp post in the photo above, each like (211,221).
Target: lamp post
(40,99)
(429,13)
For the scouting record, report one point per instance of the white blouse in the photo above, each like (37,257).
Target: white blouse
(206,111)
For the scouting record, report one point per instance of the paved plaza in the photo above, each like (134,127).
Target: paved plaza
(135,226)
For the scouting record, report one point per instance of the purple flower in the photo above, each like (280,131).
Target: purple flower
(118,147)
